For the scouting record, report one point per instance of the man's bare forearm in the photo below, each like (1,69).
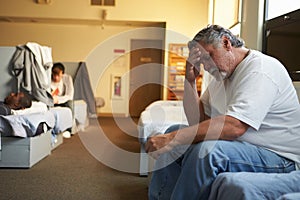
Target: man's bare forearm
(191,102)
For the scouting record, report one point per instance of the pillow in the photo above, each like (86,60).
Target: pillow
(36,107)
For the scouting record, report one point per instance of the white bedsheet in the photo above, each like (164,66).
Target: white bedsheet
(36,107)
(159,116)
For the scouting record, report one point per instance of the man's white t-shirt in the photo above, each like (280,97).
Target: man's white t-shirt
(261,94)
(65,89)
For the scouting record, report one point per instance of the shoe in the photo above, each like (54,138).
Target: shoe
(66,134)
(93,116)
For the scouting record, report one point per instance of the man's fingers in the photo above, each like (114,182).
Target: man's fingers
(194,57)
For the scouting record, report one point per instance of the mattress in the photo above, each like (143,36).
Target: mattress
(159,116)
(25,125)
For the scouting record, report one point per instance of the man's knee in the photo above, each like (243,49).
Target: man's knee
(206,148)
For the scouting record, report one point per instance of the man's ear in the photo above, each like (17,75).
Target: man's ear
(17,105)
(226,43)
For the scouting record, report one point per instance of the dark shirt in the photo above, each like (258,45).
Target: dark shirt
(4,109)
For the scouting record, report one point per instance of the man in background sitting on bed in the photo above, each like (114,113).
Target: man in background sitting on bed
(15,101)
(62,88)
(246,120)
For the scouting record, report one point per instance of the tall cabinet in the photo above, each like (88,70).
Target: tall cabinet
(177,56)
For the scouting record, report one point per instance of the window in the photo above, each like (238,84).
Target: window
(103,2)
(230,19)
(275,8)
(227,19)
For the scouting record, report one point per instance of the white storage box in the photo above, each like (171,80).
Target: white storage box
(24,152)
(58,141)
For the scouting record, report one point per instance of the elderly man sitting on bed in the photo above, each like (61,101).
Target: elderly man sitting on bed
(247,120)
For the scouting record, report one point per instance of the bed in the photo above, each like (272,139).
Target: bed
(155,119)
(27,136)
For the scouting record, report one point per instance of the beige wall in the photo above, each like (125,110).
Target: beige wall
(83,40)
(73,42)
(252,23)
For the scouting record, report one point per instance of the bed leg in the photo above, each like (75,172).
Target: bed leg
(143,162)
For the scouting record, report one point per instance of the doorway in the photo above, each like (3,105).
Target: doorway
(146,74)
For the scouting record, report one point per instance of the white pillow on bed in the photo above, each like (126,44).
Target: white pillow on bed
(36,107)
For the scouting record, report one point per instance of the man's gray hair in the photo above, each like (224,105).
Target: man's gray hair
(213,34)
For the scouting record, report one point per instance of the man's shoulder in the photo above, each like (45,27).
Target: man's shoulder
(67,77)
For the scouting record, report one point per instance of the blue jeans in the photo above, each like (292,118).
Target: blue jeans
(191,175)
